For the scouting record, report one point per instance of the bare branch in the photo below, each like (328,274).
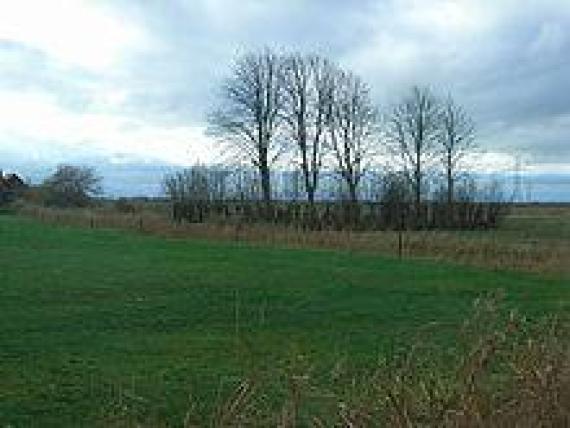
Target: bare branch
(251,112)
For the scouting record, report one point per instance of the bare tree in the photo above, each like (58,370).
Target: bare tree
(457,141)
(199,183)
(71,186)
(190,184)
(307,88)
(352,124)
(413,131)
(250,115)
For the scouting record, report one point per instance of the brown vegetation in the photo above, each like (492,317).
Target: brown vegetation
(338,216)
(501,370)
(501,249)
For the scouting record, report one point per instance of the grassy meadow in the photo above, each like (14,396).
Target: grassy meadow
(100,325)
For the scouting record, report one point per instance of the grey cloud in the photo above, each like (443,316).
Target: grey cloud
(26,69)
(513,75)
(177,80)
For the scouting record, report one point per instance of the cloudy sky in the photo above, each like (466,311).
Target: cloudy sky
(132,80)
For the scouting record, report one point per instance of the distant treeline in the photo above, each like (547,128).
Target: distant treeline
(212,194)
(343,216)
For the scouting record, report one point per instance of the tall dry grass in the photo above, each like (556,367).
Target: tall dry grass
(490,249)
(503,370)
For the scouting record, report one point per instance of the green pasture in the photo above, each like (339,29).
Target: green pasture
(96,322)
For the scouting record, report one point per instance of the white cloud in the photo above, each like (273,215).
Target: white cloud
(448,18)
(75,32)
(419,42)
(36,122)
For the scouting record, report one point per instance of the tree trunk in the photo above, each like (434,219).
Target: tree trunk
(418,197)
(449,180)
(311,194)
(450,196)
(352,192)
(418,180)
(265,185)
(309,187)
(353,207)
(265,175)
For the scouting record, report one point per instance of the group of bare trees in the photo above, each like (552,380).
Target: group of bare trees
(300,107)
(427,135)
(304,113)
(308,111)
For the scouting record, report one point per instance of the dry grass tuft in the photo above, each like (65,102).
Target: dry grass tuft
(502,370)
(507,371)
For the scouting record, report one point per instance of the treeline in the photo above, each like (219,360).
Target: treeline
(233,195)
(307,119)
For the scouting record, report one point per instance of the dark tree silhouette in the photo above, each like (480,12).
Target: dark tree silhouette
(307,88)
(190,184)
(352,125)
(71,186)
(251,113)
(457,141)
(413,132)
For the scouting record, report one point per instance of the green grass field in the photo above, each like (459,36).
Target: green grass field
(96,322)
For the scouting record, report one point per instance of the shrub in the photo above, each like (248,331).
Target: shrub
(71,186)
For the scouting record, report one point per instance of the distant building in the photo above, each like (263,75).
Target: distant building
(10,186)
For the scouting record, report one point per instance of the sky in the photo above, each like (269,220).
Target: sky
(131,81)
